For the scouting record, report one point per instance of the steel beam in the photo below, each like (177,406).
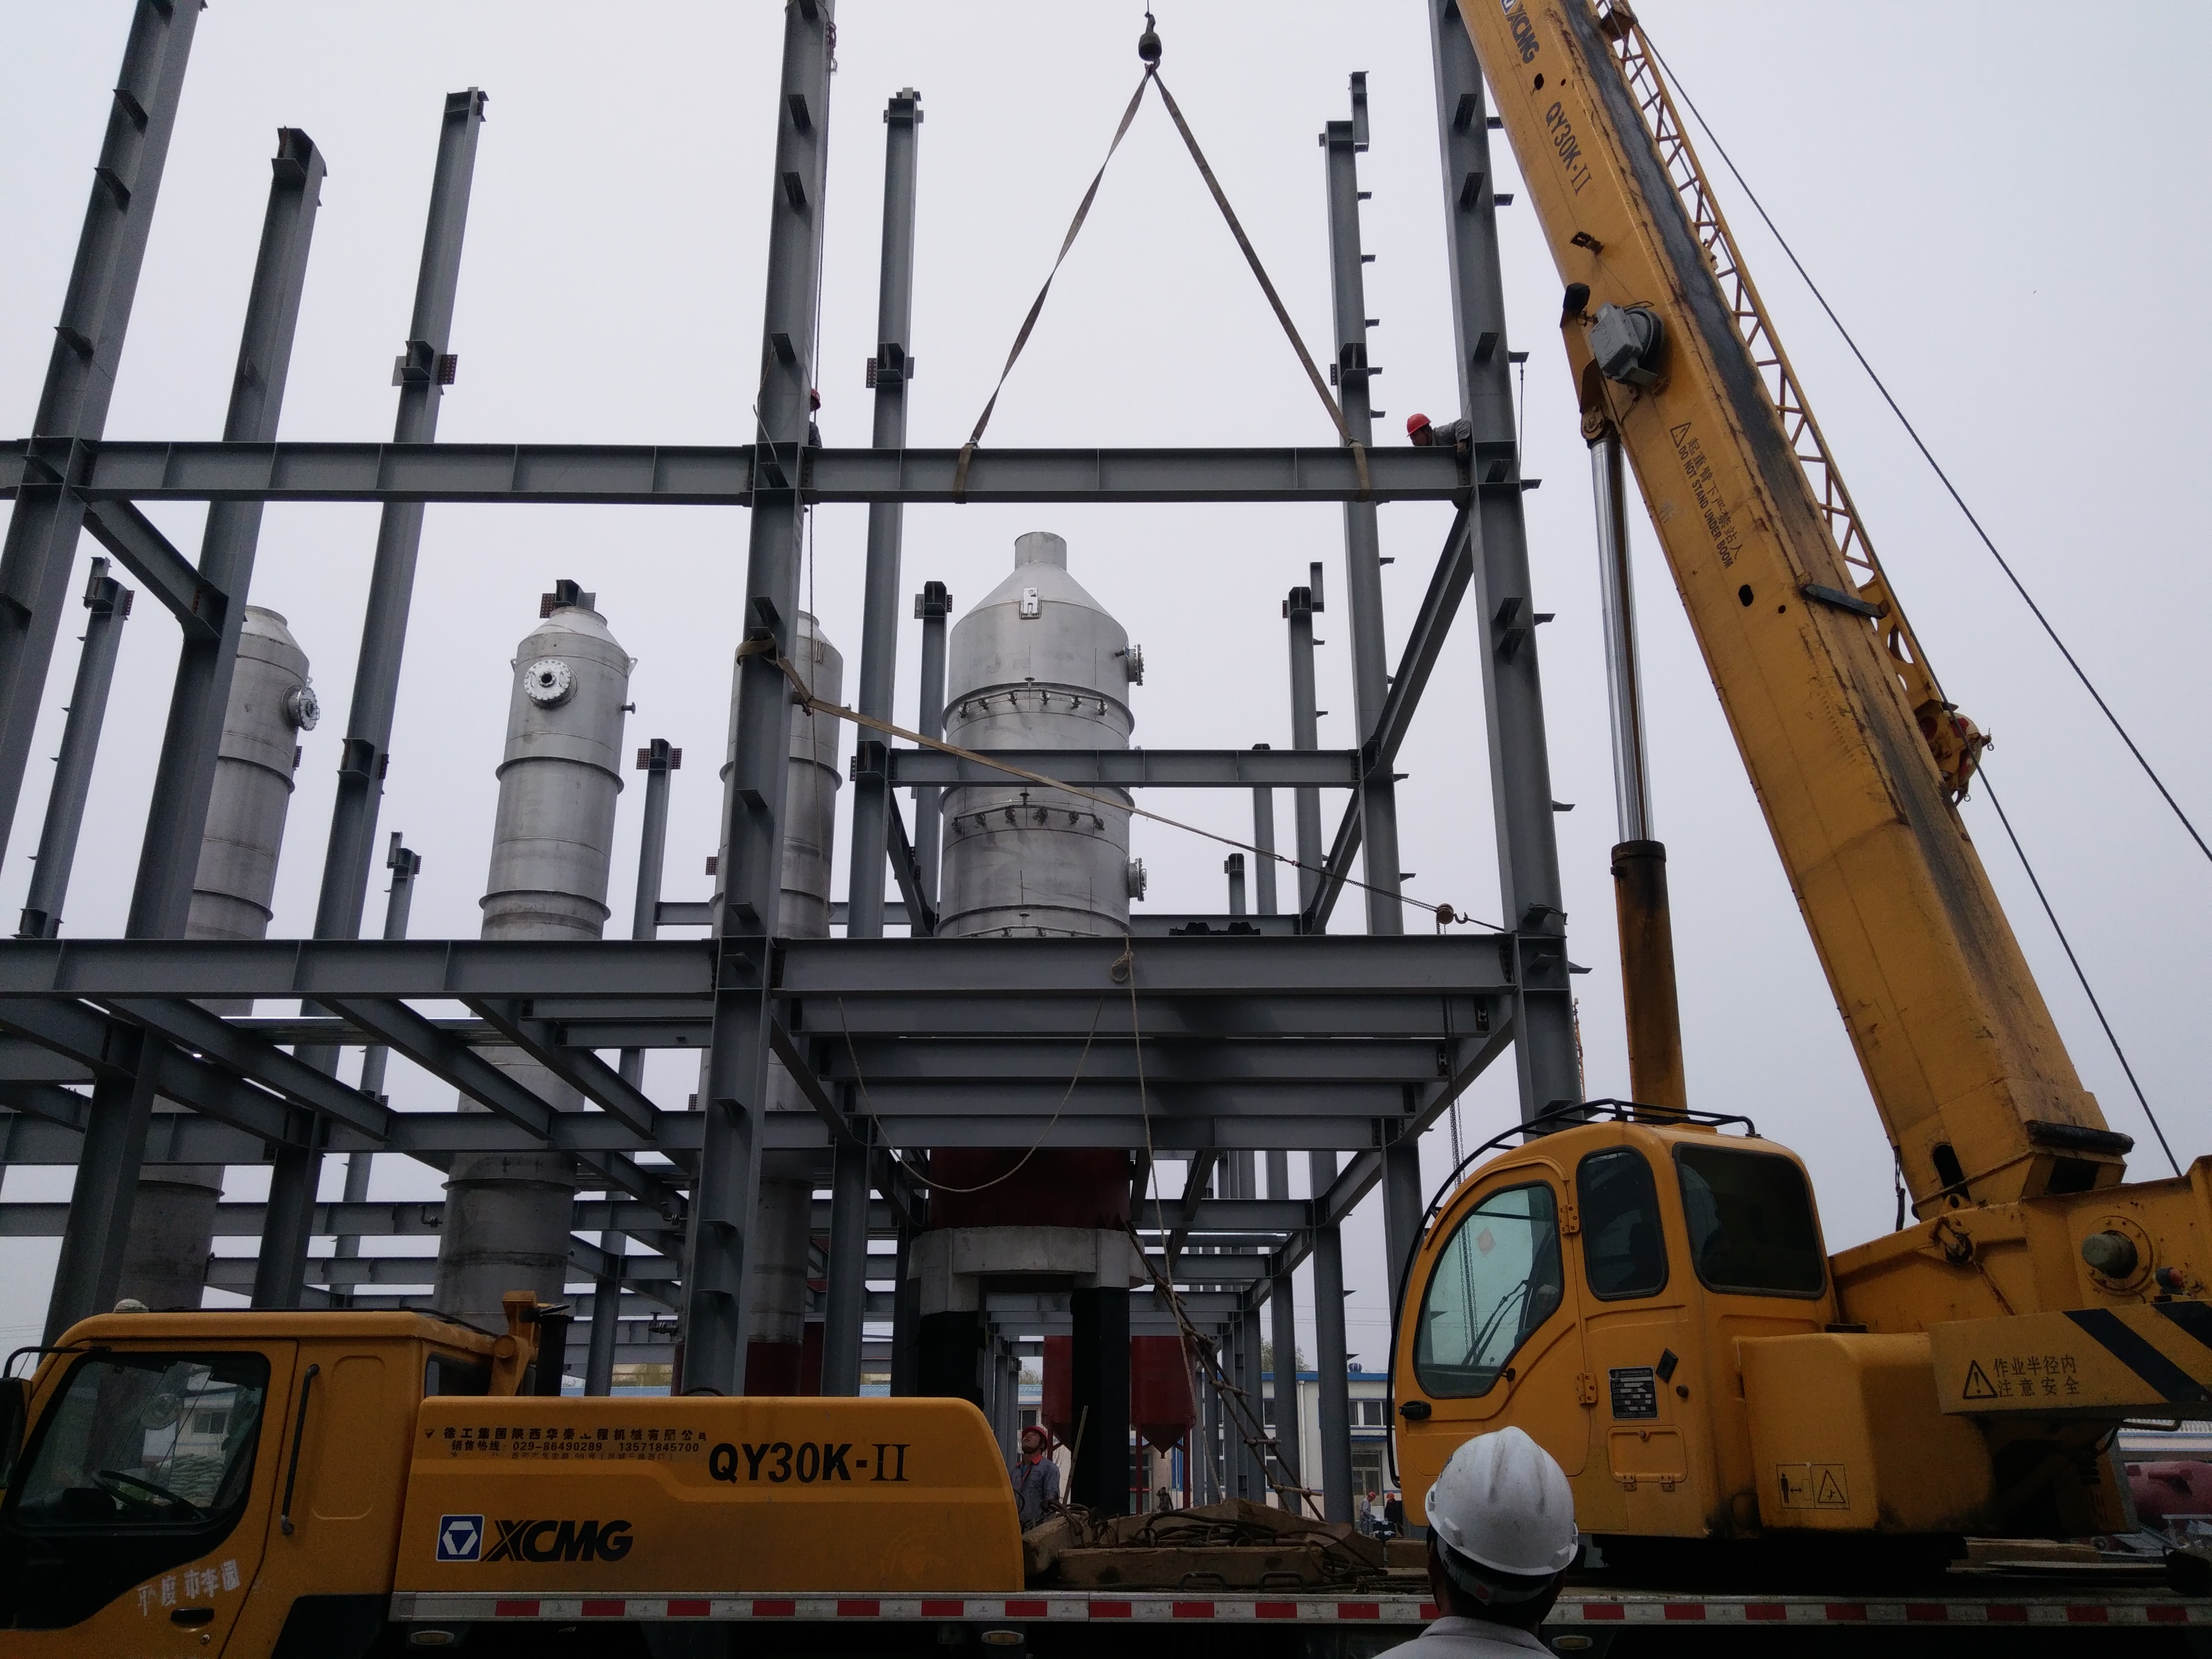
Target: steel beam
(733,1096)
(1520,766)
(641,474)
(41,548)
(107,604)
(198,605)
(1133,768)
(114,1144)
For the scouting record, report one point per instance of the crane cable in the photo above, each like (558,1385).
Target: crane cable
(1943,476)
(1988,788)
(1148,49)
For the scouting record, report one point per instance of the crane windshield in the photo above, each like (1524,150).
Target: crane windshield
(1751,1221)
(1494,1284)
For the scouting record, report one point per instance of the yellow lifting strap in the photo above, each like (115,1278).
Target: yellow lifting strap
(1151,77)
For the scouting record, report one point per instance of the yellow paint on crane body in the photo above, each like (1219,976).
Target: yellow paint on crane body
(1840,722)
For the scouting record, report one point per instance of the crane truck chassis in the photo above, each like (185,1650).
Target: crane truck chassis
(329,1485)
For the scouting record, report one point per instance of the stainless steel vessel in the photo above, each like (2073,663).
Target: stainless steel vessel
(1038,665)
(507,1213)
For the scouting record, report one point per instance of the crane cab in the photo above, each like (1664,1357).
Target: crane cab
(1593,1287)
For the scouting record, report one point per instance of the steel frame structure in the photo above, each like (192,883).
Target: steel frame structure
(1260,1033)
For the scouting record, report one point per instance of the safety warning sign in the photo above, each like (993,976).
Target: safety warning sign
(1812,1486)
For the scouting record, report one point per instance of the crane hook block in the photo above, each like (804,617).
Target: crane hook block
(1148,42)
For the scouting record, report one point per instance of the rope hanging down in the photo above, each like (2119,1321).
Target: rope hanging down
(1148,48)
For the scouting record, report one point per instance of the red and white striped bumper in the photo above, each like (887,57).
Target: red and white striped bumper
(1057,1608)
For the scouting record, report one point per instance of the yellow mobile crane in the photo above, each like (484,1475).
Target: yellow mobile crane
(1649,1297)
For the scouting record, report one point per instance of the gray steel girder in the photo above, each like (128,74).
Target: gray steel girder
(704,474)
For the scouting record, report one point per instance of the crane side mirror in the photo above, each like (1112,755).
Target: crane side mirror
(15,1410)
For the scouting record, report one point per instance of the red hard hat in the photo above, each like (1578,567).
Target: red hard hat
(813,399)
(1414,424)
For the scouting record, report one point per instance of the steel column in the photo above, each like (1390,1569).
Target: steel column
(1363,562)
(1263,843)
(117,1119)
(1233,867)
(1403,1203)
(726,1191)
(845,1300)
(1283,1319)
(845,1304)
(656,760)
(1303,606)
(404,865)
(933,605)
(41,548)
(107,604)
(1330,1356)
(906,1320)
(891,367)
(423,368)
(184,776)
(1520,766)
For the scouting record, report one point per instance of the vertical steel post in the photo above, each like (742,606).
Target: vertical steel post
(121,1112)
(1263,845)
(1520,765)
(847,1304)
(656,760)
(184,776)
(404,865)
(1363,547)
(889,372)
(107,604)
(659,761)
(1330,1356)
(1233,867)
(40,550)
(1283,1318)
(1299,610)
(1098,1369)
(892,366)
(906,1320)
(425,367)
(933,605)
(1403,1202)
(725,1193)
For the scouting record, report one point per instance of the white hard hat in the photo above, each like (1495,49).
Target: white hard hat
(1503,1503)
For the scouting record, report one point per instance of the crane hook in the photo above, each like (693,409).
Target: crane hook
(1148,44)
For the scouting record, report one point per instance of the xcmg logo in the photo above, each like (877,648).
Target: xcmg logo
(560,1541)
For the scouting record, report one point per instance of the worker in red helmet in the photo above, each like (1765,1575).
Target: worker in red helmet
(1425,433)
(814,407)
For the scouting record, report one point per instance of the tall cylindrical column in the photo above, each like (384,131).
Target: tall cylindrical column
(507,1213)
(1038,665)
(272,703)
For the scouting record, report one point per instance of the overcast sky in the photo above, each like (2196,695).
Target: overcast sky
(1999,213)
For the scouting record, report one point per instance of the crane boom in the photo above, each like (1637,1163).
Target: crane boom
(1857,757)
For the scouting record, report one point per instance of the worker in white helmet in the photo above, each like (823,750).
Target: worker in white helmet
(1501,1536)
